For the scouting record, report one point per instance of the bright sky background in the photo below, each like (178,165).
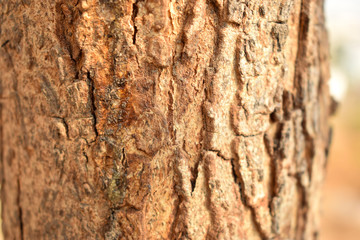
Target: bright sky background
(343,23)
(343,20)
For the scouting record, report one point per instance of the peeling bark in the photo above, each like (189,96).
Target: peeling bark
(163,119)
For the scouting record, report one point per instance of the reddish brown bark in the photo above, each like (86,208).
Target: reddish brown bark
(163,119)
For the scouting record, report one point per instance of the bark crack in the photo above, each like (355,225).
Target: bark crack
(238,181)
(21,220)
(171,111)
(218,153)
(133,18)
(301,48)
(92,94)
(244,199)
(4,43)
(194,176)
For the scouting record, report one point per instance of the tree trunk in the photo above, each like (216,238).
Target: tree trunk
(163,119)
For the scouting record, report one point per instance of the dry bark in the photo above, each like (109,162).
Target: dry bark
(163,119)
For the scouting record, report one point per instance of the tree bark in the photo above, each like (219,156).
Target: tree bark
(163,119)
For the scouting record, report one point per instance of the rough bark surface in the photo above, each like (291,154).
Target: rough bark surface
(163,119)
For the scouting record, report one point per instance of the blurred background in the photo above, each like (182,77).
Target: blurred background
(341,197)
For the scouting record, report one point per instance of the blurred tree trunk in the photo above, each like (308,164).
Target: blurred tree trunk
(163,119)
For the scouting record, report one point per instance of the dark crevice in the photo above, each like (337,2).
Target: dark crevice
(218,153)
(237,180)
(278,22)
(193,184)
(194,176)
(21,221)
(248,136)
(76,63)
(257,224)
(92,102)
(87,160)
(301,50)
(4,44)
(133,16)
(215,7)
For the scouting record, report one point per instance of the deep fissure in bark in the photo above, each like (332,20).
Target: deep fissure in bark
(92,101)
(134,14)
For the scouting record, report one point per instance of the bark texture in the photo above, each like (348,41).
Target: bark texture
(163,119)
